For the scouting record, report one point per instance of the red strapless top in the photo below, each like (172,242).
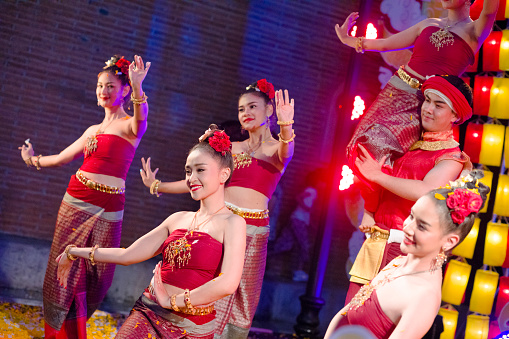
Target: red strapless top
(113,156)
(203,266)
(371,316)
(260,175)
(450,59)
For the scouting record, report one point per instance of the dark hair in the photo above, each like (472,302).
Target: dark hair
(446,220)
(253,89)
(225,161)
(462,86)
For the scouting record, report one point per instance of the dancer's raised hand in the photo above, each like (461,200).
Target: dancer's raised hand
(138,71)
(284,106)
(146,173)
(342,31)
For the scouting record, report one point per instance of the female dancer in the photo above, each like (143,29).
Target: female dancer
(438,221)
(433,161)
(202,253)
(92,208)
(440,46)
(259,163)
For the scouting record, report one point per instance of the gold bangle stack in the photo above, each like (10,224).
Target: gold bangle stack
(69,255)
(189,309)
(285,123)
(287,141)
(37,165)
(359,46)
(142,100)
(91,255)
(155,187)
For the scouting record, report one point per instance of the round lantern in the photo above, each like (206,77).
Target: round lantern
(484,143)
(450,320)
(483,294)
(495,247)
(490,96)
(496,52)
(482,91)
(477,327)
(501,207)
(455,282)
(467,246)
(503,295)
(488,181)
(506,146)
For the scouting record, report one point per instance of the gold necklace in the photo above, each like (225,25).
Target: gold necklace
(366,290)
(443,37)
(178,252)
(244,159)
(91,144)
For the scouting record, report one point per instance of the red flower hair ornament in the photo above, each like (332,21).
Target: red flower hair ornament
(264,86)
(121,63)
(462,202)
(220,142)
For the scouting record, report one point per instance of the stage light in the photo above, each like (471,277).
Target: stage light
(371,32)
(358,107)
(346,178)
(354,31)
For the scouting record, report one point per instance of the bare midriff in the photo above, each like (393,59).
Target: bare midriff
(105,179)
(246,198)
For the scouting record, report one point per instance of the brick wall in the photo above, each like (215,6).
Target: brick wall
(203,54)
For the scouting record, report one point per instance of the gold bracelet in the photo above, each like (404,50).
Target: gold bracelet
(187,300)
(142,100)
(289,140)
(173,302)
(359,46)
(37,165)
(154,187)
(69,255)
(91,255)
(285,123)
(28,161)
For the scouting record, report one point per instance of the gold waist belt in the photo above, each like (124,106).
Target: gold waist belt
(412,82)
(247,214)
(197,310)
(377,233)
(97,186)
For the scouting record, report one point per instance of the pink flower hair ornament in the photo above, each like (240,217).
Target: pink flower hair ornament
(220,142)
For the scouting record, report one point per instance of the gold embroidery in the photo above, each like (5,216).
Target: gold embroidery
(434,145)
(242,160)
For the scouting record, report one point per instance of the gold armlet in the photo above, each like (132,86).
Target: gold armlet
(91,255)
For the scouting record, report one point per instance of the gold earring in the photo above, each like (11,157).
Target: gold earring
(438,261)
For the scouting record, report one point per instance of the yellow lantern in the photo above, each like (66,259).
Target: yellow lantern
(492,142)
(501,207)
(495,247)
(506,147)
(488,181)
(504,52)
(455,282)
(450,320)
(477,327)
(467,246)
(483,294)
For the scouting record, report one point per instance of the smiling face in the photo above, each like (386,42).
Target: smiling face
(436,115)
(424,234)
(110,91)
(253,111)
(204,176)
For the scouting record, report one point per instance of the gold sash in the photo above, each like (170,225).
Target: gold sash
(368,261)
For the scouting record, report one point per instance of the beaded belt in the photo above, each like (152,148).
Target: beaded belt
(97,186)
(376,233)
(412,82)
(248,214)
